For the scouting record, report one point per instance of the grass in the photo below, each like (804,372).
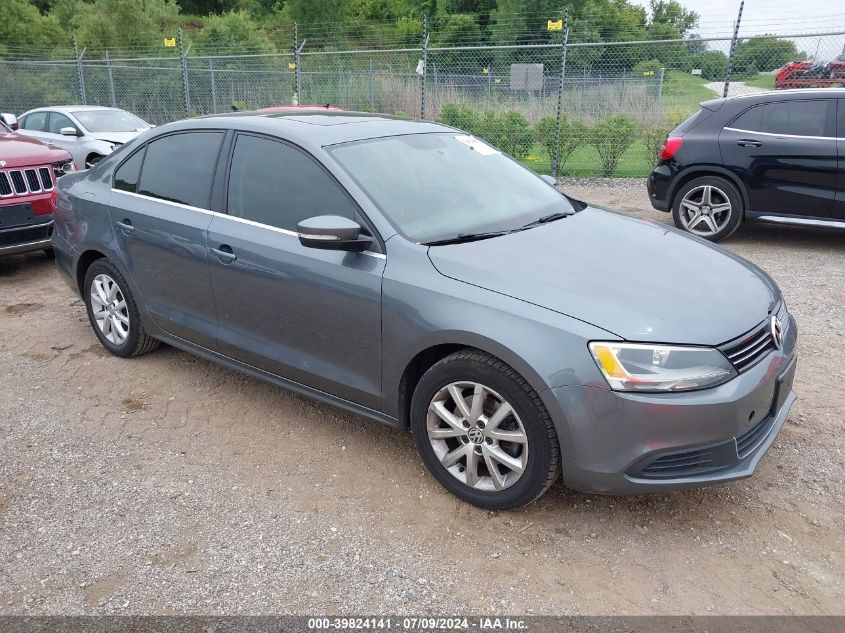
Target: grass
(585,162)
(763,80)
(684,91)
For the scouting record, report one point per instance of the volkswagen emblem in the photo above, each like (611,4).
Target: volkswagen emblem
(475,435)
(2,163)
(777,332)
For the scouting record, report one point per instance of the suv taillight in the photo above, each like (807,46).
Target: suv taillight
(670,147)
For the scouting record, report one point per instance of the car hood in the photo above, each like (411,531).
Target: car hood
(17,150)
(640,280)
(118,138)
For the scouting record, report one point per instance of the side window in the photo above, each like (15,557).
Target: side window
(749,120)
(58,121)
(275,184)
(799,118)
(37,122)
(180,168)
(126,176)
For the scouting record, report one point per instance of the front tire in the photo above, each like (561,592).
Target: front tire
(709,207)
(483,432)
(113,313)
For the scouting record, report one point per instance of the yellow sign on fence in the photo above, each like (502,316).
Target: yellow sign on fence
(170,42)
(554,26)
(291,66)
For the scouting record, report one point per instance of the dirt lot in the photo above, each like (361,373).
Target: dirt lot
(166,484)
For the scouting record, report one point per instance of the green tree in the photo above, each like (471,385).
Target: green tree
(23,26)
(234,33)
(763,54)
(128,25)
(612,137)
(713,64)
(675,14)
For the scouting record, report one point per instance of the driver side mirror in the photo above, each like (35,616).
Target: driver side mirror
(333,233)
(68,131)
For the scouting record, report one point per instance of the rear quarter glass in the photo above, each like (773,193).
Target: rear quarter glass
(696,119)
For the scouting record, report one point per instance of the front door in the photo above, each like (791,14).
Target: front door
(785,153)
(312,316)
(159,212)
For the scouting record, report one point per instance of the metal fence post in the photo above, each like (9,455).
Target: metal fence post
(661,74)
(563,49)
(183,57)
(80,73)
(733,50)
(372,87)
(425,67)
(297,60)
(112,97)
(213,81)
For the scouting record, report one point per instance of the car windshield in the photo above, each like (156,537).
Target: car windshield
(438,186)
(109,121)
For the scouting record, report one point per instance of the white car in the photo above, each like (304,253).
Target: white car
(87,132)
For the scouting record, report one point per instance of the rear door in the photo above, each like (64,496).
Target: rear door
(839,209)
(786,154)
(159,208)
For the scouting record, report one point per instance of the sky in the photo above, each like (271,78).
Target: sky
(787,17)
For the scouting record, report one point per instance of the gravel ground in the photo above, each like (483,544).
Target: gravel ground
(166,484)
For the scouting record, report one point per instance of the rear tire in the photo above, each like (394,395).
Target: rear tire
(113,313)
(483,432)
(709,207)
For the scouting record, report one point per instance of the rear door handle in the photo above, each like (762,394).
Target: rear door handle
(126,227)
(224,254)
(745,142)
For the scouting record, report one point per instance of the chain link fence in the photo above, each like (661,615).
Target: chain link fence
(568,107)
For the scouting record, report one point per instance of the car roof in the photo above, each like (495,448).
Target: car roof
(69,109)
(314,128)
(774,95)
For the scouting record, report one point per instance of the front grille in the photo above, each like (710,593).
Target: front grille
(18,182)
(748,442)
(23,236)
(22,182)
(32,180)
(751,347)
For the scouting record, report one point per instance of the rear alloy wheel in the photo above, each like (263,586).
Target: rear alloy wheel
(483,432)
(709,207)
(113,313)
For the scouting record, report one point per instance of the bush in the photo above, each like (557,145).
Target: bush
(459,116)
(653,139)
(510,132)
(573,134)
(612,137)
(713,64)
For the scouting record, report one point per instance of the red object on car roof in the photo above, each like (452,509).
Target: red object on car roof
(300,108)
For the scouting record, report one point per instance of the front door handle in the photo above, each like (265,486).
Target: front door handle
(745,142)
(125,227)
(224,254)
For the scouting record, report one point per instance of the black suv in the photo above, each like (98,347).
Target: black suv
(772,157)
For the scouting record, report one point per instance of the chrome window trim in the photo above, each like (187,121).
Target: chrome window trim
(817,138)
(226,216)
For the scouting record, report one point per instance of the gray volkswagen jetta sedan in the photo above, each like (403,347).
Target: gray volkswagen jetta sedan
(413,274)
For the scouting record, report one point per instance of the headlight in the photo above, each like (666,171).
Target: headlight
(639,367)
(63,167)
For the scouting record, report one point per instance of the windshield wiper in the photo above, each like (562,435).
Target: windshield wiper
(461,238)
(548,218)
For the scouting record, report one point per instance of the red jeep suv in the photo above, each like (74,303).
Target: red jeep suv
(28,173)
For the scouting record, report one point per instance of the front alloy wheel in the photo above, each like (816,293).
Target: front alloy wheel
(483,432)
(477,436)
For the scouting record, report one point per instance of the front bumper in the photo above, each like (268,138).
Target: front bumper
(26,238)
(628,443)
